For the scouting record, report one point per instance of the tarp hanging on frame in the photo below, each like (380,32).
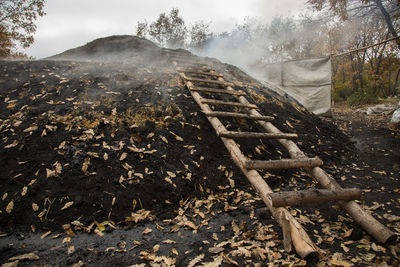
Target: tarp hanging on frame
(306,80)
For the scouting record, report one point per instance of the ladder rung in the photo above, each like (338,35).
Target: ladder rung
(208,81)
(237,115)
(192,64)
(289,198)
(217,91)
(201,73)
(224,103)
(283,163)
(232,134)
(186,59)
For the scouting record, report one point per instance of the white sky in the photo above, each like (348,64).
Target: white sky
(73,23)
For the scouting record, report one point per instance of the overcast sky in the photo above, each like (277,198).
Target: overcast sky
(73,23)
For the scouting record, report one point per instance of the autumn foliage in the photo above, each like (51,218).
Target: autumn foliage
(17,18)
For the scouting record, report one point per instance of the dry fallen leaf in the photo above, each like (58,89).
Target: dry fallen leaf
(123,156)
(147,231)
(10,207)
(31,129)
(138,216)
(50,173)
(67,205)
(13,144)
(173,250)
(28,256)
(171,174)
(71,249)
(45,235)
(341,263)
(35,207)
(164,139)
(24,191)
(196,260)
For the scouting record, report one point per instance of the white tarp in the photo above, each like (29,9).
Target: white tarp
(306,80)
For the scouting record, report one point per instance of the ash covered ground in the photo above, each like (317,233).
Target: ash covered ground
(107,159)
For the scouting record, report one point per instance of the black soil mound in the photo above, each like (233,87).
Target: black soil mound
(95,139)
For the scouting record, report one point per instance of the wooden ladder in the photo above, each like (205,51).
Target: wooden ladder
(199,78)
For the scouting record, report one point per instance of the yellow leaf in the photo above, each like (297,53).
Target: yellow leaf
(100,227)
(12,105)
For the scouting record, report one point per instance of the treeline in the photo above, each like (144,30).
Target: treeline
(359,77)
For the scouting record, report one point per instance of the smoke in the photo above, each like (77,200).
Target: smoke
(253,43)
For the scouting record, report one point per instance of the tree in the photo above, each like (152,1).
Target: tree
(168,30)
(389,10)
(17,23)
(198,35)
(171,31)
(142,28)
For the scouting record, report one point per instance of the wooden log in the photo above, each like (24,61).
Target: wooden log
(237,115)
(226,103)
(366,220)
(290,198)
(293,231)
(208,81)
(232,134)
(217,91)
(283,163)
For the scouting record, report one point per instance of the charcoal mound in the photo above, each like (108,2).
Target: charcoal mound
(116,48)
(88,135)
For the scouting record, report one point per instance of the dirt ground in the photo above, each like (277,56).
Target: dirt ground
(112,163)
